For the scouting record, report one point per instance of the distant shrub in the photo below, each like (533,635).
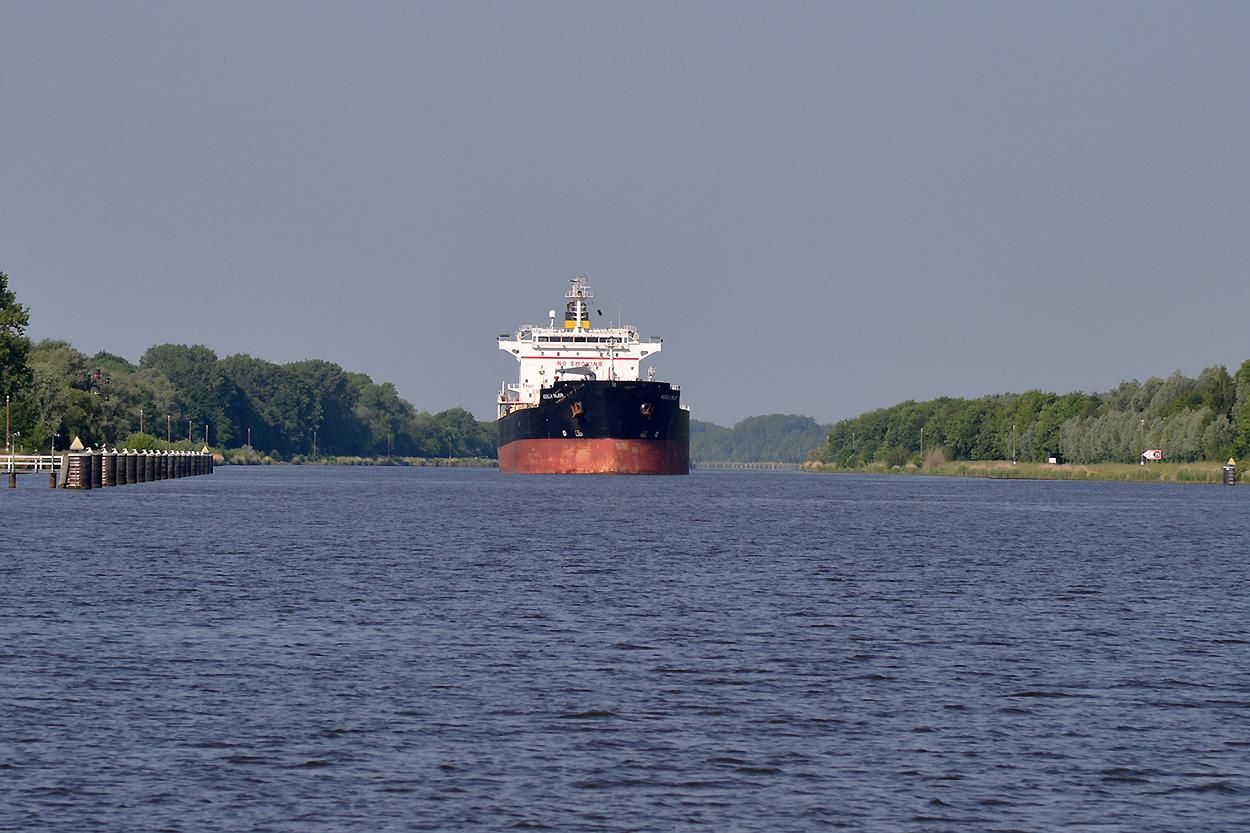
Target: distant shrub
(893,456)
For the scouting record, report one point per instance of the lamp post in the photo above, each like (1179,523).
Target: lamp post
(169,431)
(7,437)
(140,420)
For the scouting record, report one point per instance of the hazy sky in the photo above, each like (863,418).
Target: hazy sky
(823,208)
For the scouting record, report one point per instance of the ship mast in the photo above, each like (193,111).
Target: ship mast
(577,312)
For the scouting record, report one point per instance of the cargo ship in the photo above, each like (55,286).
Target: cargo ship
(580,405)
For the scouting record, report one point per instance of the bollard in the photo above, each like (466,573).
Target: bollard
(12,480)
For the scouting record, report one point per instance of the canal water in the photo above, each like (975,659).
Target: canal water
(314,648)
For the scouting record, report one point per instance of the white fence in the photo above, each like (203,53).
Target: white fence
(29,462)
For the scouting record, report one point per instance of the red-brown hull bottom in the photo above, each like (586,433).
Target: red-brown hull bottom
(586,456)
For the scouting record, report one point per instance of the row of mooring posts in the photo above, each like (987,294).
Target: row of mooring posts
(97,469)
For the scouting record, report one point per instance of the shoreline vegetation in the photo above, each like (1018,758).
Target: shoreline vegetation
(1197,472)
(251,457)
(1177,429)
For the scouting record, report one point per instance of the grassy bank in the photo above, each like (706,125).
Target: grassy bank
(1152,473)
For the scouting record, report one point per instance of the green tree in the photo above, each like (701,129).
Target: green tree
(388,417)
(204,392)
(339,430)
(460,435)
(1242,410)
(275,403)
(14,345)
(60,397)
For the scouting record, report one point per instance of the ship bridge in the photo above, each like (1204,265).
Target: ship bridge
(576,350)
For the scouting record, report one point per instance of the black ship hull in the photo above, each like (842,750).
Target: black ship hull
(598,427)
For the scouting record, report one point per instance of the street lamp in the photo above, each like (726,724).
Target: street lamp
(140,420)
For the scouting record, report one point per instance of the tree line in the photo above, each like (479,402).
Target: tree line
(179,393)
(1189,420)
(772,438)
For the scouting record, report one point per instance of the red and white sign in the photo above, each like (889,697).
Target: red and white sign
(1152,454)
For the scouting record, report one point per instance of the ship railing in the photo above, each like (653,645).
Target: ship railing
(511,405)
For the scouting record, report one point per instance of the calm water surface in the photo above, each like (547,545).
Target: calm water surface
(308,649)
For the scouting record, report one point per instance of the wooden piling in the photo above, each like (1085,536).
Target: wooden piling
(78,473)
(80,468)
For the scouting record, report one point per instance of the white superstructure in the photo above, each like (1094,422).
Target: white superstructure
(574,351)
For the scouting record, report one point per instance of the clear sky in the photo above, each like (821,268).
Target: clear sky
(824,208)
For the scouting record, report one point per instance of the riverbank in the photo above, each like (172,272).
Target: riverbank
(1005,469)
(250,457)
